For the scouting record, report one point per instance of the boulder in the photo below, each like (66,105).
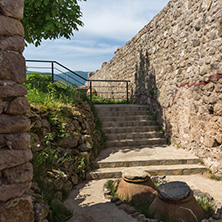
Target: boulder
(18,174)
(12,43)
(8,192)
(18,106)
(10,27)
(14,124)
(18,141)
(21,141)
(17,210)
(12,8)
(12,67)
(12,91)
(41,211)
(12,158)
(70,141)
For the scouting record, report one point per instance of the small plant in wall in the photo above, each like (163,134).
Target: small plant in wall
(81,168)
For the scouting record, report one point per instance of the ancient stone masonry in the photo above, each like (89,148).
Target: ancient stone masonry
(175,65)
(15,169)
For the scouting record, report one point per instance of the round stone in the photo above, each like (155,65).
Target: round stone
(174,190)
(135,175)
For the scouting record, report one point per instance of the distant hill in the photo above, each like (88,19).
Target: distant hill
(67,77)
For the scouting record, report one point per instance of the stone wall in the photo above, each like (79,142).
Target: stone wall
(15,169)
(175,65)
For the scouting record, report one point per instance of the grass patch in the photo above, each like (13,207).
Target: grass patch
(41,90)
(215,177)
(111,187)
(143,208)
(59,212)
(207,205)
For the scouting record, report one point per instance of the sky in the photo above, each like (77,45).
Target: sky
(108,25)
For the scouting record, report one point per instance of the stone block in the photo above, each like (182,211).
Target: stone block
(8,192)
(15,44)
(209,141)
(3,106)
(12,91)
(10,27)
(18,106)
(12,8)
(18,141)
(218,138)
(17,210)
(12,67)
(13,158)
(218,109)
(19,174)
(14,124)
(70,141)
(21,141)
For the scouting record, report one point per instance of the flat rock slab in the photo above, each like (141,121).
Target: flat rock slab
(175,190)
(135,174)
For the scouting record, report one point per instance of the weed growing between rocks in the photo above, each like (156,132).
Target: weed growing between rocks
(206,202)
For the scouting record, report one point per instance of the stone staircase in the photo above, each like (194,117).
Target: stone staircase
(134,140)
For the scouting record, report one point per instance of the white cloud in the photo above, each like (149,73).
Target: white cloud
(117,19)
(109,24)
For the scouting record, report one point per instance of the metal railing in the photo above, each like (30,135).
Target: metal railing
(119,89)
(55,70)
(114,93)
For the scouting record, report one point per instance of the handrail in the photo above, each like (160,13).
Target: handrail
(48,61)
(77,75)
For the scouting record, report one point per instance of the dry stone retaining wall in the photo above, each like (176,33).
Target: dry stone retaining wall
(175,65)
(15,169)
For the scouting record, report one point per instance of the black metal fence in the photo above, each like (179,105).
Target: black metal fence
(95,89)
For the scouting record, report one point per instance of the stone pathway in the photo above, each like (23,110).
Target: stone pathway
(88,204)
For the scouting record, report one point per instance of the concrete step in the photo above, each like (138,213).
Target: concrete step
(145,162)
(112,130)
(135,142)
(121,107)
(121,113)
(126,118)
(135,135)
(129,123)
(188,169)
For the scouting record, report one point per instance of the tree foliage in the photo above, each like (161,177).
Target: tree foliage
(50,19)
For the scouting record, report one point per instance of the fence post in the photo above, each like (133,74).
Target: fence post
(127,93)
(90,87)
(52,72)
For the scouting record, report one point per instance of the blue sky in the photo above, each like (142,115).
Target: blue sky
(108,25)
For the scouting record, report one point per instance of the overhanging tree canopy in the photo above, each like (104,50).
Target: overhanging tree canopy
(50,19)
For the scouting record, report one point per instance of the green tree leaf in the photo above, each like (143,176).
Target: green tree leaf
(50,19)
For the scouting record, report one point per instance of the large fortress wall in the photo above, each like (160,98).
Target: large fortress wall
(15,169)
(175,65)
